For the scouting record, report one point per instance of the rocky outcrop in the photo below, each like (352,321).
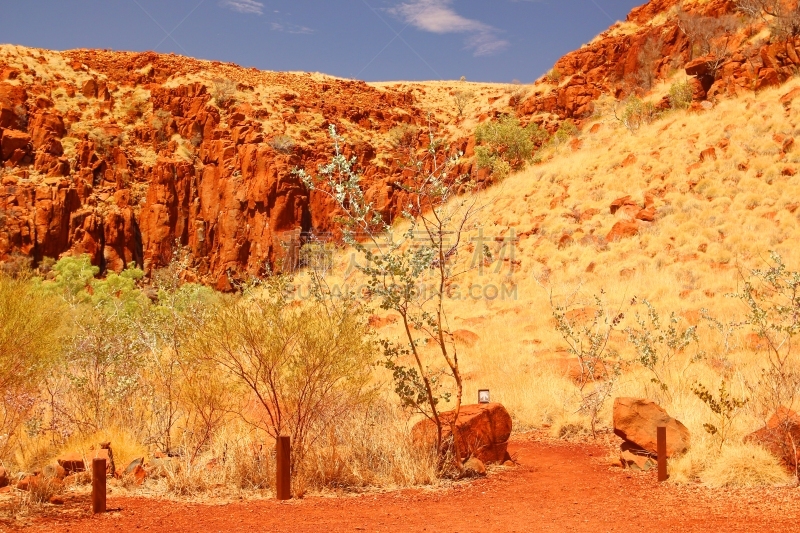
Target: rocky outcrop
(127,158)
(483,432)
(214,185)
(612,64)
(609,65)
(637,420)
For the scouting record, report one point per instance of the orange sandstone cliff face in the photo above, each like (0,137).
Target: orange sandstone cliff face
(210,181)
(129,157)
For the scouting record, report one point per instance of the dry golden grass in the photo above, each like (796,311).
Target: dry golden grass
(743,465)
(715,219)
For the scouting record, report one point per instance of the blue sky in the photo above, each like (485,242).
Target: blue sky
(484,40)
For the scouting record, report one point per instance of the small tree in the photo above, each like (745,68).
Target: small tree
(658,342)
(702,31)
(783,18)
(635,113)
(410,273)
(103,355)
(587,333)
(724,406)
(680,95)
(649,55)
(29,326)
(772,297)
(306,364)
(462,99)
(178,386)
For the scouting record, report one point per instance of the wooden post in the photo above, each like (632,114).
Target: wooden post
(99,486)
(661,438)
(283,481)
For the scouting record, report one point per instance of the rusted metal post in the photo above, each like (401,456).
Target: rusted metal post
(283,482)
(661,442)
(99,486)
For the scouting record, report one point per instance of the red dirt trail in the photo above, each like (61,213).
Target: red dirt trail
(556,487)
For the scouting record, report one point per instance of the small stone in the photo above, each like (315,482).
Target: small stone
(636,462)
(474,467)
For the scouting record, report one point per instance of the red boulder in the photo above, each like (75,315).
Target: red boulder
(636,420)
(781,436)
(767,77)
(483,432)
(622,230)
(13,140)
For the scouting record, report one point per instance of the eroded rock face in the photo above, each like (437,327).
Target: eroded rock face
(611,64)
(483,432)
(636,420)
(180,170)
(212,185)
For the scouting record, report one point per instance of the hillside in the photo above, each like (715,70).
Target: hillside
(123,155)
(623,242)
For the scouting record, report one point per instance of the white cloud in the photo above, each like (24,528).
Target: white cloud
(291,28)
(486,44)
(438,16)
(250,7)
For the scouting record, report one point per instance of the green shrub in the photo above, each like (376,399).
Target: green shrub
(680,95)
(29,325)
(637,113)
(506,139)
(565,131)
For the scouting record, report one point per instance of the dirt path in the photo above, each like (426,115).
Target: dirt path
(557,487)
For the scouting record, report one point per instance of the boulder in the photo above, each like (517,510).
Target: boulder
(27,482)
(646,215)
(698,67)
(4,481)
(636,420)
(617,204)
(781,436)
(12,141)
(89,89)
(54,472)
(634,461)
(72,462)
(483,432)
(623,230)
(786,99)
(474,467)
(708,154)
(767,77)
